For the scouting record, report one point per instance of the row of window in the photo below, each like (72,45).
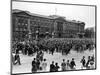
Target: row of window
(40,23)
(41,19)
(22,20)
(21,29)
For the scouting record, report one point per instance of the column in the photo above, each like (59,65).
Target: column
(37,32)
(29,34)
(16,26)
(16,22)
(55,29)
(52,34)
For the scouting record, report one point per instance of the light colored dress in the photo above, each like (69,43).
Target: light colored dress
(68,66)
(44,65)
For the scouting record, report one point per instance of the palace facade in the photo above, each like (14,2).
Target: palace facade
(27,25)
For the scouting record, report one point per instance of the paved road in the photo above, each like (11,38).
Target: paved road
(25,66)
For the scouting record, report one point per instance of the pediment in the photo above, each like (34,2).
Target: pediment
(61,19)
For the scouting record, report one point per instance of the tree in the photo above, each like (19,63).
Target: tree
(89,32)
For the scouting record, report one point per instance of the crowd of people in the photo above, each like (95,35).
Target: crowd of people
(57,45)
(38,65)
(66,45)
(50,46)
(64,66)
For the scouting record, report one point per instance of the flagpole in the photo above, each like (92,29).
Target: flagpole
(55,11)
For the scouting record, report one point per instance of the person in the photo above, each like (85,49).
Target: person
(30,51)
(44,65)
(52,50)
(68,65)
(92,58)
(88,62)
(34,67)
(41,55)
(52,67)
(56,67)
(83,61)
(38,56)
(91,65)
(63,65)
(17,50)
(92,62)
(26,49)
(38,64)
(72,64)
(17,59)
(34,62)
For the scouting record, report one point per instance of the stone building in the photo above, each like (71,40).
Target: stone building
(27,25)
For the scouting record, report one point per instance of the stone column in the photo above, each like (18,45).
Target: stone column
(52,34)
(37,33)
(15,26)
(55,29)
(16,21)
(29,33)
(64,29)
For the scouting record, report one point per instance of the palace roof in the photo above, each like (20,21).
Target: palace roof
(43,16)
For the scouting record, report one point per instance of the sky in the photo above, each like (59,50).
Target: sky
(71,12)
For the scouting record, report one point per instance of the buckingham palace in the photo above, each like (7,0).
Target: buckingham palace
(27,25)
